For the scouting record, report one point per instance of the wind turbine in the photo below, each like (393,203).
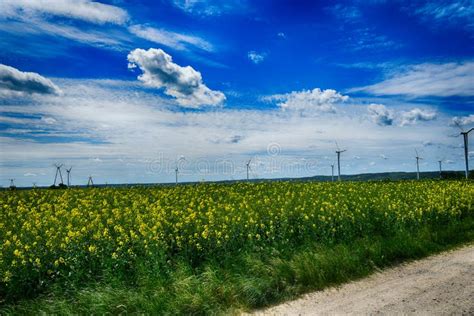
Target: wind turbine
(90,182)
(338,152)
(332,172)
(176,170)
(58,171)
(248,167)
(12,184)
(465,136)
(69,175)
(440,162)
(417,165)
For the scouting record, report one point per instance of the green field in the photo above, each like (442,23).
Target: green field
(214,248)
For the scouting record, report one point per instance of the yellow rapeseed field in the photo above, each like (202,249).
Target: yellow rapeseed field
(51,234)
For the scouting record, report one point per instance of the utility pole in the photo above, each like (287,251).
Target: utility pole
(465,136)
(440,169)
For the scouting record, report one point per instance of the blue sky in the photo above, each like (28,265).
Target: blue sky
(125,90)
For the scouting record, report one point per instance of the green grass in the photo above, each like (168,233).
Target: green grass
(245,281)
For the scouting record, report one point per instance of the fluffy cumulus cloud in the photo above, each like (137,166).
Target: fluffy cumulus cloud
(255,57)
(86,10)
(183,83)
(463,120)
(14,82)
(441,80)
(417,114)
(380,114)
(309,100)
(383,116)
(170,39)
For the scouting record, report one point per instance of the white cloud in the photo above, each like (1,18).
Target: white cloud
(170,39)
(58,18)
(380,114)
(445,13)
(209,7)
(463,120)
(29,174)
(383,116)
(86,10)
(281,34)
(255,57)
(346,13)
(183,83)
(48,120)
(309,100)
(133,131)
(417,114)
(14,82)
(354,34)
(442,80)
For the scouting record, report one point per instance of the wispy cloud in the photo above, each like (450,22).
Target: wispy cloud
(210,7)
(345,13)
(72,20)
(356,33)
(366,38)
(440,80)
(86,10)
(105,38)
(171,39)
(183,83)
(66,19)
(441,13)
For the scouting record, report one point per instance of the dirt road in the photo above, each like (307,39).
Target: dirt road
(441,284)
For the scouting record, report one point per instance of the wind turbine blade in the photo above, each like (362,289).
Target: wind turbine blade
(458,125)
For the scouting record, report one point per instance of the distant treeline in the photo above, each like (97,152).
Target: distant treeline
(382,176)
